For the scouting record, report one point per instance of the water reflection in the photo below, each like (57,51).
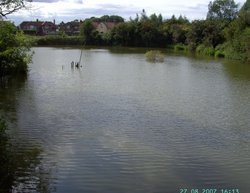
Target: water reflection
(237,70)
(21,169)
(121,124)
(9,89)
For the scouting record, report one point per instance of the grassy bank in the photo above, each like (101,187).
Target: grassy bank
(220,51)
(56,40)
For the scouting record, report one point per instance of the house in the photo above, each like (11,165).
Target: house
(38,27)
(70,28)
(49,28)
(103,27)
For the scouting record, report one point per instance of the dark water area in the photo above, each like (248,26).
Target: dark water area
(122,124)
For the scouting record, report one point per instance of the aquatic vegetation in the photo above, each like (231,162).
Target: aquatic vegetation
(154,56)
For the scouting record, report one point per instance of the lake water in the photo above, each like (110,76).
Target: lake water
(122,124)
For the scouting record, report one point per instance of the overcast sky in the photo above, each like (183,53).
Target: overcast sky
(68,10)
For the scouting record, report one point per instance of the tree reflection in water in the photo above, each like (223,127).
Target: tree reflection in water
(21,168)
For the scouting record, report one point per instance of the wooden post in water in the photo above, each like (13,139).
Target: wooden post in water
(80,57)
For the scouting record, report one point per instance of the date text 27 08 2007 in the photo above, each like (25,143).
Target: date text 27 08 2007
(212,190)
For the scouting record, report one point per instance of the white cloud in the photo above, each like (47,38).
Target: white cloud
(79,9)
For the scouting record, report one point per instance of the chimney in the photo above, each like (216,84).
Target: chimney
(54,21)
(37,20)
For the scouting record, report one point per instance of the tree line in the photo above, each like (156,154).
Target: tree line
(224,33)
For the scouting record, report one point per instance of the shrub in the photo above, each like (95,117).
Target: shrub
(14,47)
(180,47)
(220,51)
(154,56)
(59,40)
(219,54)
(203,50)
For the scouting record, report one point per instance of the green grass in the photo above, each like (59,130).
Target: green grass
(54,40)
(180,47)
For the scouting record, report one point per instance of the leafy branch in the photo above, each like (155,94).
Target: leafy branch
(10,6)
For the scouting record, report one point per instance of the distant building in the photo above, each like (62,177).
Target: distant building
(70,28)
(38,27)
(103,27)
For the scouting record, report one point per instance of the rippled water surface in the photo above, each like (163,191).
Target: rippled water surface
(122,124)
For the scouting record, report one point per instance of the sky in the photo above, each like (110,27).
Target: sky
(69,10)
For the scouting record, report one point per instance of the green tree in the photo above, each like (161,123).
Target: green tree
(14,47)
(112,18)
(195,34)
(213,33)
(178,33)
(238,35)
(222,10)
(144,16)
(87,30)
(123,34)
(116,18)
(141,31)
(157,20)
(245,7)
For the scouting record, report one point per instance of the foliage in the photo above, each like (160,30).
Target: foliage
(10,6)
(107,18)
(220,50)
(59,40)
(222,10)
(239,46)
(245,7)
(142,31)
(124,34)
(87,31)
(180,47)
(154,56)
(238,36)
(204,50)
(14,49)
(224,33)
(195,34)
(205,32)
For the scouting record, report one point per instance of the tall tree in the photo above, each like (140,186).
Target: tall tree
(246,7)
(10,6)
(222,10)
(87,30)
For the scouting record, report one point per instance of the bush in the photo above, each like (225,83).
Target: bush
(180,47)
(219,54)
(203,50)
(59,40)
(220,51)
(154,56)
(14,47)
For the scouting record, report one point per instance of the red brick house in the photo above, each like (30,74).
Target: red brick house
(38,27)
